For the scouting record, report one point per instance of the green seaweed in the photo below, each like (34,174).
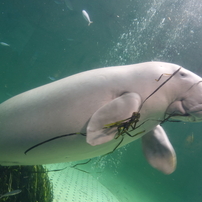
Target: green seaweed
(32,180)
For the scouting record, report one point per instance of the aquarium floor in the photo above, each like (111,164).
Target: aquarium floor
(72,185)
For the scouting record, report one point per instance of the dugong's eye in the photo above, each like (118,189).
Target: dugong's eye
(182,74)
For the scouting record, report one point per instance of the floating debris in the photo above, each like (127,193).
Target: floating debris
(189,140)
(4,44)
(86,17)
(11,193)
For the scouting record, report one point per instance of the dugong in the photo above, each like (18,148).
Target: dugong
(92,107)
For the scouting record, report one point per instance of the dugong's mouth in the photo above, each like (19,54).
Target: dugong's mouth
(185,117)
(195,112)
(196,109)
(188,114)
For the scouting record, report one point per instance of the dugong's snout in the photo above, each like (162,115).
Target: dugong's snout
(192,102)
(188,107)
(195,112)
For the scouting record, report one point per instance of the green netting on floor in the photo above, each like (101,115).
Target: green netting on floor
(72,185)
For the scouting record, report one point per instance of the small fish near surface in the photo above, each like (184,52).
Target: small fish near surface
(11,193)
(52,78)
(4,44)
(66,2)
(58,1)
(86,17)
(69,4)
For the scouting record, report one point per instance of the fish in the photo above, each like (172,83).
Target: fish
(86,17)
(52,78)
(4,44)
(68,4)
(11,193)
(58,2)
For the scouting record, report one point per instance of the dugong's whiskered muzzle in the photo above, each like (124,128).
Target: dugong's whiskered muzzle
(184,118)
(196,112)
(188,107)
(192,102)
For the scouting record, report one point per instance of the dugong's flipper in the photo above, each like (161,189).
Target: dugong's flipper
(118,109)
(159,151)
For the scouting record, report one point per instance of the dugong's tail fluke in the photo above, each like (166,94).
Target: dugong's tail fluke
(90,23)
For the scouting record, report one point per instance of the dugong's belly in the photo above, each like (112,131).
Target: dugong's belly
(22,128)
(38,115)
(28,120)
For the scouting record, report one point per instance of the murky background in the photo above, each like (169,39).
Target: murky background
(46,40)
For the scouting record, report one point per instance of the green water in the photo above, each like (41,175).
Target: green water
(132,179)
(48,41)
